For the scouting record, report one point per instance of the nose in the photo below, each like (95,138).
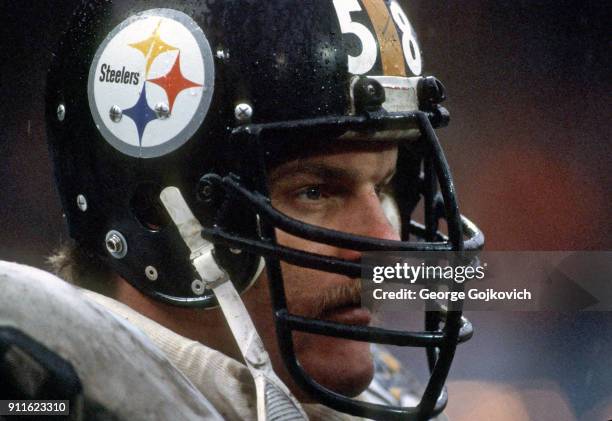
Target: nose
(366,217)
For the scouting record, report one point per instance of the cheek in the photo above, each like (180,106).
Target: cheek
(301,286)
(292,241)
(298,281)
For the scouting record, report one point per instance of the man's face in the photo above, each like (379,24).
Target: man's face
(340,189)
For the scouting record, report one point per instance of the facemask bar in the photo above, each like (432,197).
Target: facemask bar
(440,344)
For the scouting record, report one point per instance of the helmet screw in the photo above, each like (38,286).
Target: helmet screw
(197,287)
(151,273)
(61,112)
(369,94)
(116,244)
(206,190)
(81,202)
(162,110)
(222,54)
(115,114)
(243,113)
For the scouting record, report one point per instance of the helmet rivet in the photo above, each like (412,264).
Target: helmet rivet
(243,112)
(115,113)
(61,112)
(235,251)
(116,244)
(162,110)
(197,287)
(151,273)
(81,202)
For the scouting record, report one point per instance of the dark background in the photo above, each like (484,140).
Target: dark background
(529,144)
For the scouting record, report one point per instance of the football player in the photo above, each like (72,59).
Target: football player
(223,165)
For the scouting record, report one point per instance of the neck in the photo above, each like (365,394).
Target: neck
(205,326)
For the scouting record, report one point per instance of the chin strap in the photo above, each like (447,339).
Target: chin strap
(274,400)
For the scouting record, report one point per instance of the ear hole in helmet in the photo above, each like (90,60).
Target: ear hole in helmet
(147,208)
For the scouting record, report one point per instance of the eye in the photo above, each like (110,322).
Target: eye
(311,193)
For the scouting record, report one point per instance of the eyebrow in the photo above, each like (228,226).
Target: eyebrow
(323,171)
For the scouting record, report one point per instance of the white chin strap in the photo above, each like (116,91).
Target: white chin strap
(274,400)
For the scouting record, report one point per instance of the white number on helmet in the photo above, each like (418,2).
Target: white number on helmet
(364,62)
(412,55)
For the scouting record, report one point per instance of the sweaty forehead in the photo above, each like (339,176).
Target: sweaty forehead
(352,160)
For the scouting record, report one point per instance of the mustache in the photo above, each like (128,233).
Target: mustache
(337,296)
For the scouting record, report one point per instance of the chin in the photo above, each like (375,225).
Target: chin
(344,366)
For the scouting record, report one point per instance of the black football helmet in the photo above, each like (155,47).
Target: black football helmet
(206,96)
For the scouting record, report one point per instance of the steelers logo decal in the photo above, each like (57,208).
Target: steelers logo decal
(151,83)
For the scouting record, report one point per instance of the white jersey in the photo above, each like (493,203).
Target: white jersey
(113,371)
